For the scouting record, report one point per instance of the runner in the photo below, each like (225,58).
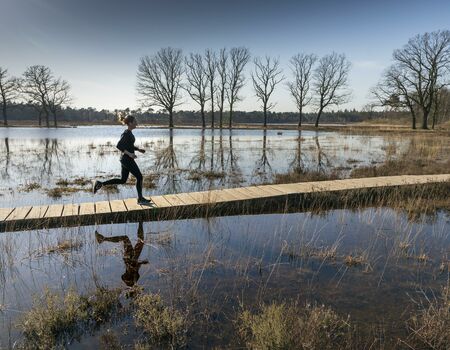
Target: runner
(127,147)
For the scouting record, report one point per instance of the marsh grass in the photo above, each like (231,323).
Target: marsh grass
(32,186)
(291,326)
(65,246)
(58,192)
(304,176)
(430,328)
(162,324)
(55,319)
(197,175)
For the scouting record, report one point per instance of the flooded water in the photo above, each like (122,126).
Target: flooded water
(374,264)
(228,261)
(35,160)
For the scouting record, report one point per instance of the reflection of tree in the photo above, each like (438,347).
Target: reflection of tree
(297,164)
(50,152)
(166,160)
(263,169)
(130,254)
(198,162)
(7,159)
(221,153)
(211,161)
(322,159)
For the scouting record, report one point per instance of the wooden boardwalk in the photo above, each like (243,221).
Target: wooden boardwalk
(244,200)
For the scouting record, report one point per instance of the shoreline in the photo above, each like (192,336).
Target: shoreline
(347,128)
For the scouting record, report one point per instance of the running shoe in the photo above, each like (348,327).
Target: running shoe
(144,201)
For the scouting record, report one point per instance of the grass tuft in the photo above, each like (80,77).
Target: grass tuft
(287,326)
(162,324)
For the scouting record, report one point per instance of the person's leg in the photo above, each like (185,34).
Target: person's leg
(134,170)
(123,179)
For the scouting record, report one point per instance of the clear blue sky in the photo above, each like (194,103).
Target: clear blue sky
(96,44)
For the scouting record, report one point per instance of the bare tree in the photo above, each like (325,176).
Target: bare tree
(239,57)
(36,84)
(392,91)
(330,81)
(301,66)
(222,63)
(58,96)
(211,69)
(197,82)
(159,79)
(425,61)
(266,76)
(9,87)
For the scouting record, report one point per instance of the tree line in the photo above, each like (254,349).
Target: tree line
(215,80)
(417,82)
(39,87)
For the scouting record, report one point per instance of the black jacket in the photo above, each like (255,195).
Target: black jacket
(126,143)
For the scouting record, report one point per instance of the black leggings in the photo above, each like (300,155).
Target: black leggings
(128,166)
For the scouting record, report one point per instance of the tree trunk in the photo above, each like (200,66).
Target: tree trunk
(47,120)
(425,120)
(54,118)
(202,110)
(5,117)
(300,117)
(413,118)
(231,117)
(318,117)
(433,121)
(221,118)
(265,116)
(170,119)
(212,105)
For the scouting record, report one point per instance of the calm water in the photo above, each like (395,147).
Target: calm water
(238,259)
(46,156)
(223,261)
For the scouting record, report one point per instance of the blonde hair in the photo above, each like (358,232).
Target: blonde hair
(125,119)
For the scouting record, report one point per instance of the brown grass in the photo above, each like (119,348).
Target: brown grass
(289,326)
(430,329)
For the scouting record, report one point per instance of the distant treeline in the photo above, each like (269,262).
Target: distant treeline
(24,112)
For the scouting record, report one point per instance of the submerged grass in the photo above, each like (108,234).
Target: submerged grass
(162,324)
(290,326)
(430,329)
(55,319)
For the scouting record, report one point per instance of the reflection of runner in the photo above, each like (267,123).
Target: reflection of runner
(130,254)
(127,147)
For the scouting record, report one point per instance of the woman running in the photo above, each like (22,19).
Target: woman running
(127,147)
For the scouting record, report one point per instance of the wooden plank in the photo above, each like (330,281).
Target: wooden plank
(224,196)
(118,206)
(54,211)
(174,200)
(87,209)
(160,201)
(102,207)
(258,192)
(187,199)
(272,191)
(19,213)
(206,197)
(245,192)
(237,194)
(70,210)
(131,204)
(37,212)
(4,213)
